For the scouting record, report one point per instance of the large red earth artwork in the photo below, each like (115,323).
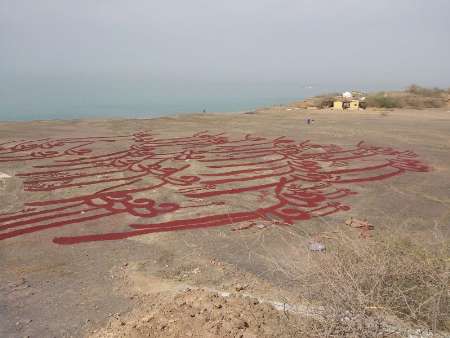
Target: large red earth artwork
(157,184)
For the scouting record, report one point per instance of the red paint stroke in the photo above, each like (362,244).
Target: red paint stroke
(199,181)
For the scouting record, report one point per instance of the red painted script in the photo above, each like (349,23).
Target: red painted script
(155,184)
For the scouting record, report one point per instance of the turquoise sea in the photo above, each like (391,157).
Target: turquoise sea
(56,98)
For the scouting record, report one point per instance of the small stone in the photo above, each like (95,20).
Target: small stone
(240,287)
(147,319)
(241,324)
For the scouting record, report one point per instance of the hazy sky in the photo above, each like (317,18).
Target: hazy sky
(179,43)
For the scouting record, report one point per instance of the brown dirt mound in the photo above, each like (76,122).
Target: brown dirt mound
(200,313)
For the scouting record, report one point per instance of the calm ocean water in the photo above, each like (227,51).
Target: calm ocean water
(64,99)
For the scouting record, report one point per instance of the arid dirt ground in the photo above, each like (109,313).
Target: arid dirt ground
(94,288)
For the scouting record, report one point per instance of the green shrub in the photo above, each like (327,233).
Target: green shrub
(381,100)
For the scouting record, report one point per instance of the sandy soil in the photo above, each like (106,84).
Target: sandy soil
(53,290)
(200,313)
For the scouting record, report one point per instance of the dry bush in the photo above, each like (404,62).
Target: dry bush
(421,102)
(325,101)
(406,100)
(381,100)
(369,287)
(422,91)
(360,283)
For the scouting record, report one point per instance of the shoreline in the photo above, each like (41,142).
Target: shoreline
(289,109)
(413,97)
(123,118)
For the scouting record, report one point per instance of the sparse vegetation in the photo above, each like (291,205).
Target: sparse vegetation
(369,287)
(413,97)
(325,101)
(382,100)
(430,92)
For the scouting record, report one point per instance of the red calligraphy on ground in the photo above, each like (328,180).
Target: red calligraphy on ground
(156,184)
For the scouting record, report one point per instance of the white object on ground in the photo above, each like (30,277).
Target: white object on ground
(3,175)
(347,95)
(316,246)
